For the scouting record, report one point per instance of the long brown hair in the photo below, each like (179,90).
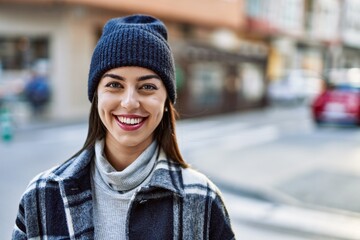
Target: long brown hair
(164,133)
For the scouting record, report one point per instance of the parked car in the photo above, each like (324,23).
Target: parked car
(340,102)
(295,87)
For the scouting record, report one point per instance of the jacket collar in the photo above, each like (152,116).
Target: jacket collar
(167,173)
(75,168)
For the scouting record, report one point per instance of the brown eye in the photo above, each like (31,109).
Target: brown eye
(149,87)
(113,85)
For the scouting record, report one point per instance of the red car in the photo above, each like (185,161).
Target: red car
(339,103)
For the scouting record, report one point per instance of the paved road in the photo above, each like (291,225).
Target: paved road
(276,170)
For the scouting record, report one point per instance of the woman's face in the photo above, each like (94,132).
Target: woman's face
(131,104)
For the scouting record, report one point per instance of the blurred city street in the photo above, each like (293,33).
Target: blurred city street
(282,177)
(248,75)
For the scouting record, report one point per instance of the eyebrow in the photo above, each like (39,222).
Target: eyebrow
(141,78)
(113,76)
(145,77)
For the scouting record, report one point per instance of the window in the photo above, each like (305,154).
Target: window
(206,84)
(19,53)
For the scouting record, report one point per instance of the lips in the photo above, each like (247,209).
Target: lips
(130,123)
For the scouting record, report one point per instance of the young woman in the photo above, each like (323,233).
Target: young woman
(129,181)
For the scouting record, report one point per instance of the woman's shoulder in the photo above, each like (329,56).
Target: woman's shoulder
(196,182)
(72,168)
(41,180)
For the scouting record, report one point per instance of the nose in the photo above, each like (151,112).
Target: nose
(130,100)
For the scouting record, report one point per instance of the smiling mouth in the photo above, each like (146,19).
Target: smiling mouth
(130,121)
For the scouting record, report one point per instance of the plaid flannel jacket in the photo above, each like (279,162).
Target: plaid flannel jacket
(177,203)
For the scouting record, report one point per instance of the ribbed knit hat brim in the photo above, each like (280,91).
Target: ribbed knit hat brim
(139,41)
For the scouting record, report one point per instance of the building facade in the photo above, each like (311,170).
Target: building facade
(61,35)
(225,55)
(349,51)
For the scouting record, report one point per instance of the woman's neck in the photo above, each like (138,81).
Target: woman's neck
(120,156)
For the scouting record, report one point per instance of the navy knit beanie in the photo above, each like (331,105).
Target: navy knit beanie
(136,40)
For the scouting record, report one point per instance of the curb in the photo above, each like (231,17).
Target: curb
(41,125)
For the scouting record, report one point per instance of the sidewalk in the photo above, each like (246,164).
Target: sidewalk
(244,182)
(294,219)
(39,124)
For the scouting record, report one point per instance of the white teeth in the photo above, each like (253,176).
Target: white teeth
(130,121)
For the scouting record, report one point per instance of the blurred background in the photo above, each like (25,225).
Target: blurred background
(268,96)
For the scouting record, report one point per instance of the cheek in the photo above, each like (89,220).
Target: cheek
(156,103)
(101,113)
(160,115)
(104,106)
(158,110)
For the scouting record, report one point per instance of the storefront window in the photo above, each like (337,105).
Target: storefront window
(19,53)
(23,61)
(206,85)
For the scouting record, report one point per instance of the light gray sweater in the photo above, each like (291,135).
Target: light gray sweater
(112,190)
